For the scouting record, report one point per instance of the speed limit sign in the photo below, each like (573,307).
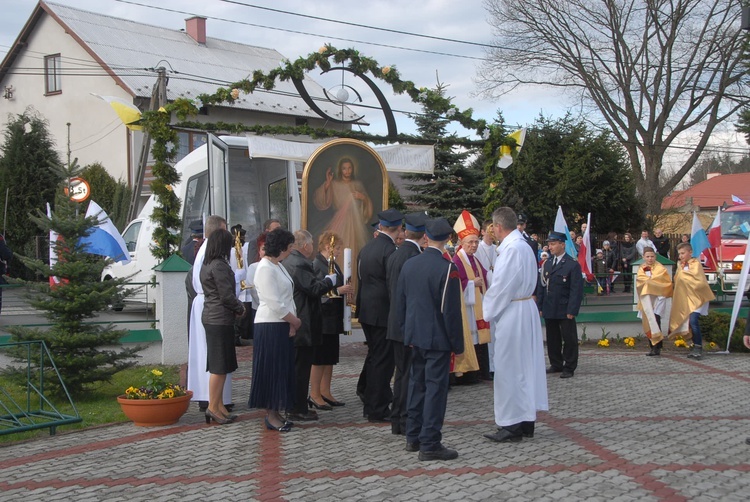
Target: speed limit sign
(79,190)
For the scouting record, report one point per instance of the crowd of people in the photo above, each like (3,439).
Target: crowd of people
(431,317)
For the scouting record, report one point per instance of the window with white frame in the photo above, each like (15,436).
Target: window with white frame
(52,74)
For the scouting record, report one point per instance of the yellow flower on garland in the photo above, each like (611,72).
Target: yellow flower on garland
(386,70)
(235,93)
(603,343)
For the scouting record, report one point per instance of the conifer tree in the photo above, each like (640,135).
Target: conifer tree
(455,185)
(84,353)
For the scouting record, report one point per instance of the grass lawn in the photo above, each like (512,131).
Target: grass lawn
(96,407)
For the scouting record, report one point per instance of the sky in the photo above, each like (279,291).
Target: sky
(421,59)
(455,66)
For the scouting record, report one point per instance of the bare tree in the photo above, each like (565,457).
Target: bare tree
(655,70)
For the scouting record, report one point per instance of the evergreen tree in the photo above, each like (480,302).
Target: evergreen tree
(28,154)
(565,163)
(455,185)
(84,353)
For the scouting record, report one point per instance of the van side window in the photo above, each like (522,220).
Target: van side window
(196,202)
(131,235)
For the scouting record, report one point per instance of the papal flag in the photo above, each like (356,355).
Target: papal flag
(506,152)
(128,112)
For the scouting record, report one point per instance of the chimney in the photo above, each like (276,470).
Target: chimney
(196,28)
(708,176)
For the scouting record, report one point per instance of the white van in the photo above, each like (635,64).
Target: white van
(217,178)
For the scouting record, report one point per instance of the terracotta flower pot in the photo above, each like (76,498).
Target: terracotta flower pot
(155,412)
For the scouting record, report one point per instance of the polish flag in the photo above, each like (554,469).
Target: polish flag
(714,239)
(737,201)
(584,254)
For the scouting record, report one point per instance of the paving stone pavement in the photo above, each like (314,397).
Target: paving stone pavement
(626,427)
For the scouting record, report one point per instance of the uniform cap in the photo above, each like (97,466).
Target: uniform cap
(196,227)
(415,222)
(438,229)
(557,236)
(390,218)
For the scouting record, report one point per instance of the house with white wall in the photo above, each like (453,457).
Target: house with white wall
(64,56)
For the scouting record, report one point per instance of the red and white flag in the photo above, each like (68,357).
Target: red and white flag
(584,253)
(714,239)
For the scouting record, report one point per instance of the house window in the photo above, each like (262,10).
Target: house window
(52,74)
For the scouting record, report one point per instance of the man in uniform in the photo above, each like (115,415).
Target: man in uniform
(559,295)
(412,246)
(521,227)
(190,249)
(373,306)
(429,289)
(520,384)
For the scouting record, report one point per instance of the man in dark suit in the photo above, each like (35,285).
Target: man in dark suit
(558,296)
(429,289)
(308,289)
(412,246)
(373,306)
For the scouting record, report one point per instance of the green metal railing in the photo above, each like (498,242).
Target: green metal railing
(34,409)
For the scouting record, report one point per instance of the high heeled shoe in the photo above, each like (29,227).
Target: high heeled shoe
(284,428)
(333,402)
(312,404)
(219,420)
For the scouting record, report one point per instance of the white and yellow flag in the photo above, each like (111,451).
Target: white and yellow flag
(506,152)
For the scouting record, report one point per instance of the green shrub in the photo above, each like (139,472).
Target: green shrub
(715,326)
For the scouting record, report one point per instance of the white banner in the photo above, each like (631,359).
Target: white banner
(397,158)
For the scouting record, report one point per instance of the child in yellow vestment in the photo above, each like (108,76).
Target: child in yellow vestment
(654,286)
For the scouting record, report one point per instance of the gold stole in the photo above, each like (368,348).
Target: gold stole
(659,284)
(483,327)
(691,290)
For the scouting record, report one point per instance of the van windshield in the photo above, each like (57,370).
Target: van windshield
(735,224)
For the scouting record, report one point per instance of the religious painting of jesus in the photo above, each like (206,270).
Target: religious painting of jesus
(344,185)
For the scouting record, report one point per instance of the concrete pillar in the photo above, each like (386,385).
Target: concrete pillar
(171,309)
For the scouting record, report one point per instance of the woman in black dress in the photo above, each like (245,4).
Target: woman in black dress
(326,355)
(220,309)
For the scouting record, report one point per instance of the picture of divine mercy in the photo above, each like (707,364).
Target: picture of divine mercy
(353,208)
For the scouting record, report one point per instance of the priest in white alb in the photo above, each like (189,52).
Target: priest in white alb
(520,383)
(198,375)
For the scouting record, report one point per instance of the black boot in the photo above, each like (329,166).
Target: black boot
(658,347)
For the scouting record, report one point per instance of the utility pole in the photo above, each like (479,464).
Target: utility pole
(158,99)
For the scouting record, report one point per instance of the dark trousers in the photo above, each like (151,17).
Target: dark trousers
(378,372)
(428,397)
(243,327)
(562,344)
(303,358)
(402,358)
(483,357)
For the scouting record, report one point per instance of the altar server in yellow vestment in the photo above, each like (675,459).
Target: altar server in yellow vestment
(654,286)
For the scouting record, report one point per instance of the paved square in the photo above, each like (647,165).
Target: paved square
(627,427)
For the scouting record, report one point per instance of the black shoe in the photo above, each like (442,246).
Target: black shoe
(566,374)
(312,404)
(379,420)
(396,429)
(310,416)
(229,407)
(504,436)
(553,370)
(527,429)
(412,447)
(333,402)
(441,454)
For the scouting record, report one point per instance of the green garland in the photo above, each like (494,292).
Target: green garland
(165,139)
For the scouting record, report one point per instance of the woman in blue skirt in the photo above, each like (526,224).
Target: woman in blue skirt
(276,322)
